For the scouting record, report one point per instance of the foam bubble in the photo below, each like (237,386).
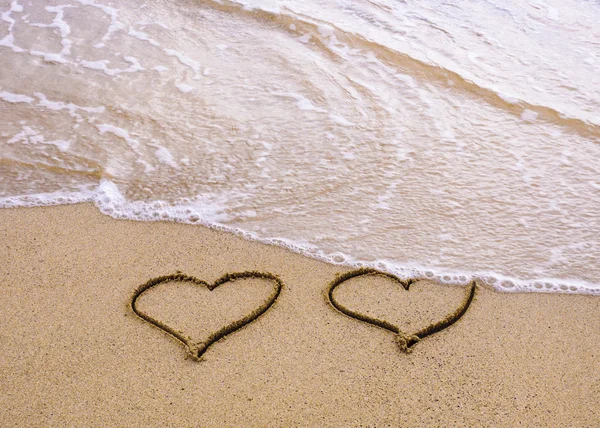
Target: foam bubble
(340,120)
(205,209)
(185,88)
(529,115)
(305,38)
(507,284)
(15,98)
(49,199)
(164,156)
(337,258)
(302,102)
(325,30)
(140,35)
(508,98)
(184,59)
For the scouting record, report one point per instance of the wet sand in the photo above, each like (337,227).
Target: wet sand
(73,353)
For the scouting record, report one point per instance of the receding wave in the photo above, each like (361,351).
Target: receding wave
(430,140)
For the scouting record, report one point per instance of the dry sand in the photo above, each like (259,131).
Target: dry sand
(72,352)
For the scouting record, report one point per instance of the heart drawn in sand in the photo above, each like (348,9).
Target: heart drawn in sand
(405,341)
(195,350)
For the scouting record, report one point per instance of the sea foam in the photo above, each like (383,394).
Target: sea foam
(208,211)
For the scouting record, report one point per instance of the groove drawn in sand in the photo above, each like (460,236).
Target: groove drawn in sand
(405,341)
(195,350)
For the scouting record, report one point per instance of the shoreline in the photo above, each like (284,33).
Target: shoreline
(73,352)
(491,279)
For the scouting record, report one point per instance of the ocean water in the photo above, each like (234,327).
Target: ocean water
(438,139)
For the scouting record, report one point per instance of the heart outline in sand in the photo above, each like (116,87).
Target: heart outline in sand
(195,350)
(404,341)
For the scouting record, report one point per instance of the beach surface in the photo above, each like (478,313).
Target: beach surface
(73,353)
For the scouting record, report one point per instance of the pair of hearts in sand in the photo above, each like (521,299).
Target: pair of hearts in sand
(196,349)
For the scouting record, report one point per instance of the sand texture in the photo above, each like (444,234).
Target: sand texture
(73,352)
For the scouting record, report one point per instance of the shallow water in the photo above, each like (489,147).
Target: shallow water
(424,138)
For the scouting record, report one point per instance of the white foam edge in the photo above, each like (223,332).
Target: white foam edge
(109,200)
(48,199)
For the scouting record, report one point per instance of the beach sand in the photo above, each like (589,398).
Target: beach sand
(72,352)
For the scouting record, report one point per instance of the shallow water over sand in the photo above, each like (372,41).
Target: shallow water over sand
(423,138)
